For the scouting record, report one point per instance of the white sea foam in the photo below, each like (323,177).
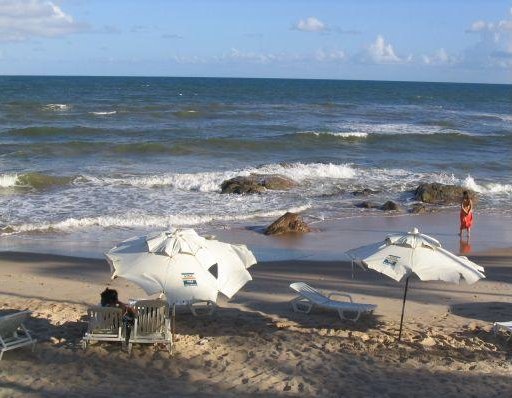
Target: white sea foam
(56,107)
(145,220)
(489,188)
(352,134)
(305,171)
(393,128)
(8,180)
(211,181)
(103,113)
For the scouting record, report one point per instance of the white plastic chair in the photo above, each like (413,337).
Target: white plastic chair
(13,334)
(309,297)
(104,324)
(152,324)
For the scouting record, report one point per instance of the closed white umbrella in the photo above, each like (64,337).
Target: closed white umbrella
(182,265)
(400,256)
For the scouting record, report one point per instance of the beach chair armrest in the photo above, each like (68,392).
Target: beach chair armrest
(335,294)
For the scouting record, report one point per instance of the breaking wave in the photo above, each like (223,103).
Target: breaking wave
(211,181)
(103,113)
(33,180)
(56,107)
(143,221)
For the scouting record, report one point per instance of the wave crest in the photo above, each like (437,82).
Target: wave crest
(142,221)
(33,180)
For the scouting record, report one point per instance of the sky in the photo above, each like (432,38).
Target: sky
(436,40)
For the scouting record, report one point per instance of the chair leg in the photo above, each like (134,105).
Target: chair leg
(298,302)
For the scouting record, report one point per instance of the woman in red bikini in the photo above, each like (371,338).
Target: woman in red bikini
(466,213)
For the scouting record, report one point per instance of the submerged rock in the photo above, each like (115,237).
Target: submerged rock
(441,194)
(256,183)
(288,222)
(364,192)
(390,206)
(367,205)
(418,208)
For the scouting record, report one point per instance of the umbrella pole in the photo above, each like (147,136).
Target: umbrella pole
(403,309)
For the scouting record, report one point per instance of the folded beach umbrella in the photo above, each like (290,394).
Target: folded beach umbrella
(182,265)
(400,256)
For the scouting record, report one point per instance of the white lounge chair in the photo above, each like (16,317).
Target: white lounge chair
(309,297)
(105,324)
(152,324)
(196,307)
(13,333)
(505,326)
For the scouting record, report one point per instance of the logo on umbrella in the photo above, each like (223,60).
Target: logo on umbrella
(189,279)
(391,260)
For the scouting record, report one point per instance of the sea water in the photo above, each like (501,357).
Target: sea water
(99,159)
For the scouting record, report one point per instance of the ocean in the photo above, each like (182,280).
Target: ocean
(100,159)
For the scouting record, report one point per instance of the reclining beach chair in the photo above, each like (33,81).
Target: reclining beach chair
(104,324)
(505,326)
(152,324)
(13,334)
(310,297)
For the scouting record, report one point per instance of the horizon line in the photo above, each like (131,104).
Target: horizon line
(253,78)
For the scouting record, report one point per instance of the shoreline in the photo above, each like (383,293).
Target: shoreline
(328,242)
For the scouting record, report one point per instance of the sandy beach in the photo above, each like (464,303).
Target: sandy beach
(254,345)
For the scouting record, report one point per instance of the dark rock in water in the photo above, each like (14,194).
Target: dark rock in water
(364,192)
(441,194)
(256,183)
(289,222)
(390,206)
(418,208)
(367,205)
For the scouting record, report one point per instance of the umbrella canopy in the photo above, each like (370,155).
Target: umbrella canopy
(183,265)
(400,256)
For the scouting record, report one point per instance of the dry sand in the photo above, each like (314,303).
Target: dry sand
(256,346)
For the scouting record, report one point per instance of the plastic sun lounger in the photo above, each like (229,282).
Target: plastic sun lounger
(309,297)
(152,324)
(505,326)
(197,307)
(13,334)
(105,324)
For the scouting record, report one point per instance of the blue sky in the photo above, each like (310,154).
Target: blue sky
(459,41)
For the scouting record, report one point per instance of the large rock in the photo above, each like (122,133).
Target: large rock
(256,183)
(289,222)
(441,194)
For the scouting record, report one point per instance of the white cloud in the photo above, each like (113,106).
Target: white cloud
(310,24)
(333,55)
(440,57)
(381,52)
(494,48)
(22,19)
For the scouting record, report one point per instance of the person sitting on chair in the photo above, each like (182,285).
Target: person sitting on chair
(109,298)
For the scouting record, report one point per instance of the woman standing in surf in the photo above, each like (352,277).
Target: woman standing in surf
(466,214)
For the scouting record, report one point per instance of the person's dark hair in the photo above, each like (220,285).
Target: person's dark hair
(108,297)
(465,195)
